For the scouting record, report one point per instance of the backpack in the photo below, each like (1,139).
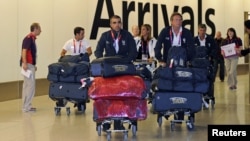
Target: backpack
(177,56)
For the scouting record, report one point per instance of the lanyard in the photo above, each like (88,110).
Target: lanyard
(171,37)
(113,36)
(80,44)
(116,41)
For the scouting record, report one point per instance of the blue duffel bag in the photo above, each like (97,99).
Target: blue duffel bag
(171,101)
(111,66)
(181,80)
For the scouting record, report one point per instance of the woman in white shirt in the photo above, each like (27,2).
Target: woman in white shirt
(145,44)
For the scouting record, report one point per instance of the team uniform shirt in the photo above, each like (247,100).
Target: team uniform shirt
(176,39)
(30,44)
(76,47)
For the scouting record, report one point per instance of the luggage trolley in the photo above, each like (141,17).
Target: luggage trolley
(117,105)
(179,92)
(201,60)
(132,126)
(131,111)
(209,99)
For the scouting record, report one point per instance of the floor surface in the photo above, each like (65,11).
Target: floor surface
(232,107)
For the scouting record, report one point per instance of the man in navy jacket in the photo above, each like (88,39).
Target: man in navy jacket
(203,39)
(116,42)
(174,35)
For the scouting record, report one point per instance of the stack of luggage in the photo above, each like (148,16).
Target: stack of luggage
(178,89)
(118,94)
(203,61)
(65,82)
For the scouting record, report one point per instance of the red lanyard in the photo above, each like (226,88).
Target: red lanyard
(113,36)
(80,44)
(171,38)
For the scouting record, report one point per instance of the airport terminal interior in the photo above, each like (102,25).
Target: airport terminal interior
(231,108)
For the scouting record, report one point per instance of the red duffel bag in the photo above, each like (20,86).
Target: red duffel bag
(118,87)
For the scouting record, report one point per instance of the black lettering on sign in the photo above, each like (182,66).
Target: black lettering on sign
(98,21)
(145,8)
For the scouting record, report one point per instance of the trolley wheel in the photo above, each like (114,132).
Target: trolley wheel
(125,136)
(159,120)
(190,124)
(133,128)
(108,135)
(172,126)
(212,104)
(57,111)
(99,130)
(68,110)
(83,107)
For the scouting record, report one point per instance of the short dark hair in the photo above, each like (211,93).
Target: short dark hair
(78,30)
(202,26)
(115,17)
(175,14)
(34,26)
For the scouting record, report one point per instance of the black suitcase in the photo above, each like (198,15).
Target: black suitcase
(111,66)
(171,101)
(69,91)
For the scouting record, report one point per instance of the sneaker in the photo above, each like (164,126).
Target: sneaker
(232,87)
(32,109)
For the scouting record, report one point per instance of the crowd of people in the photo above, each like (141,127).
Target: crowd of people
(140,44)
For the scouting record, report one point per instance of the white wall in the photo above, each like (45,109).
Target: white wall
(59,17)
